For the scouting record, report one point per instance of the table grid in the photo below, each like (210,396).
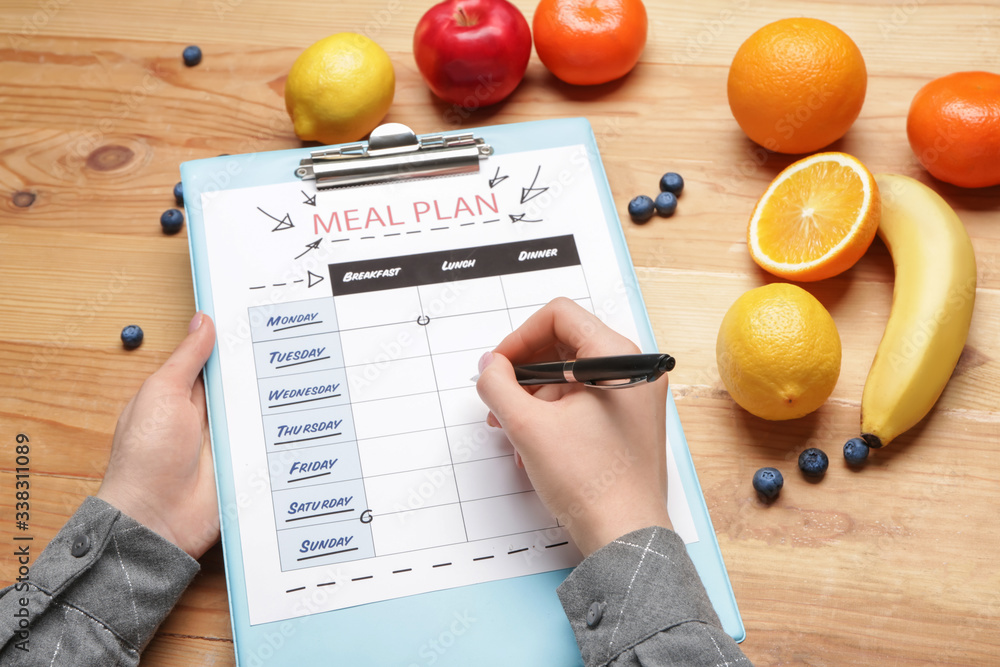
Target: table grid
(384,449)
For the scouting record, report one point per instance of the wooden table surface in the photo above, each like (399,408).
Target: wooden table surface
(891,565)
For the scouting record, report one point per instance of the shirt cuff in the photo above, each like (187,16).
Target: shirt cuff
(121,574)
(639,585)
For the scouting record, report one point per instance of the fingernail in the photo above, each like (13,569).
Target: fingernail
(195,322)
(491,420)
(485,361)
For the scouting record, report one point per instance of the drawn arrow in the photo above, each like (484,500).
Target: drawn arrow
(309,200)
(529,193)
(497,179)
(309,246)
(519,217)
(283,223)
(314,279)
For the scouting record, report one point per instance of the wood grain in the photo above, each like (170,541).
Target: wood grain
(893,564)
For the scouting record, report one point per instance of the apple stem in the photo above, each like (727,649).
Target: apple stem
(464,19)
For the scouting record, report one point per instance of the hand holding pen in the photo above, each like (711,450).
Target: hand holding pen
(596,458)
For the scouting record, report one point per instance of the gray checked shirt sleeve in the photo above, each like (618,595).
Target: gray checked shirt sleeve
(96,595)
(639,601)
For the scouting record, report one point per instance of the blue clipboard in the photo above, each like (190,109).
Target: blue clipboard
(508,622)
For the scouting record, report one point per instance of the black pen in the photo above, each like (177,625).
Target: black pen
(603,372)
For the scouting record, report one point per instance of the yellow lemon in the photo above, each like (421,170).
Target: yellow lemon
(778,352)
(339,89)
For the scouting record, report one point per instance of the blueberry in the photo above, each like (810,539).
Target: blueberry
(671,182)
(666,204)
(192,56)
(813,462)
(855,451)
(640,209)
(768,482)
(172,220)
(131,337)
(179,193)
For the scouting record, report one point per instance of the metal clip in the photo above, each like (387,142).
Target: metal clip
(394,153)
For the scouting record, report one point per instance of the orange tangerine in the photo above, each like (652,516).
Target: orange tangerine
(587,42)
(954,128)
(816,219)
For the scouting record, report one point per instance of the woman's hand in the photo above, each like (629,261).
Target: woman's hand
(597,458)
(160,472)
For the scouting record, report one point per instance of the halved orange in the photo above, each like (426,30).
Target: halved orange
(816,219)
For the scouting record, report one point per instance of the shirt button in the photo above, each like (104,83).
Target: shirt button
(594,614)
(80,547)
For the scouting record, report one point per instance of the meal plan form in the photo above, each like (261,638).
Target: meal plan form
(350,322)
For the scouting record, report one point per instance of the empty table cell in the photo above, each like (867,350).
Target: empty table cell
(394,416)
(375,345)
(418,529)
(467,332)
(369,309)
(506,515)
(390,379)
(462,406)
(456,369)
(540,287)
(411,490)
(462,297)
(472,442)
(407,451)
(490,477)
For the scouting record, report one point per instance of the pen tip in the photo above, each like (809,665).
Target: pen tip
(475,378)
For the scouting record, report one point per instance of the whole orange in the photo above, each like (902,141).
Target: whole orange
(586,42)
(797,85)
(954,128)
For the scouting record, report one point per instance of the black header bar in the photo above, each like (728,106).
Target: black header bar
(460,264)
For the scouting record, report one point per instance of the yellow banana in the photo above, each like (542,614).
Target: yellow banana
(932,300)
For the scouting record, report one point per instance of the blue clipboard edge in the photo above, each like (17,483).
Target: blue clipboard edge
(256,643)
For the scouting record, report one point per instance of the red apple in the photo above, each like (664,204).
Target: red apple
(472,52)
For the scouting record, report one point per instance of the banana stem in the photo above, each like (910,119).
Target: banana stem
(872,440)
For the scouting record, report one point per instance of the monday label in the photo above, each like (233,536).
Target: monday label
(297,318)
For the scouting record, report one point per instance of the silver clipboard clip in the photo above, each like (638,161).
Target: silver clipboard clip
(394,153)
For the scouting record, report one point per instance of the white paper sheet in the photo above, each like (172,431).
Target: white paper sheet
(349,325)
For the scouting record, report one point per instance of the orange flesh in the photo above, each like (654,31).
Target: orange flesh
(810,213)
